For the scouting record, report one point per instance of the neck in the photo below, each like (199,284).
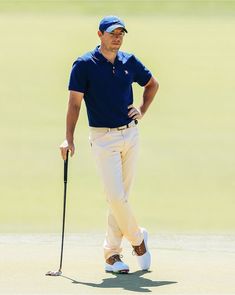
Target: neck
(110,55)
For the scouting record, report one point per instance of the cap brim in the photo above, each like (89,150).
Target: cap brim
(113,27)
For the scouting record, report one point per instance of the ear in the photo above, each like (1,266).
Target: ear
(99,33)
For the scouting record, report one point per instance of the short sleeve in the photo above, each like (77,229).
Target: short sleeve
(141,74)
(78,77)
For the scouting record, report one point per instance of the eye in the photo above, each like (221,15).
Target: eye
(121,34)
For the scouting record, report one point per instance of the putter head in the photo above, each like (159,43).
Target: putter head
(54,273)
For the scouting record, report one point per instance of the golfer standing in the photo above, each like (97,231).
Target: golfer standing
(103,78)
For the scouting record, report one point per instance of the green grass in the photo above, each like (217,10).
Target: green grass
(124,7)
(185,178)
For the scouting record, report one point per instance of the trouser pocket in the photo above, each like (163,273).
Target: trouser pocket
(96,135)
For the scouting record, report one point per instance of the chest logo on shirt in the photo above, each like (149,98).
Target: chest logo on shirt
(126,72)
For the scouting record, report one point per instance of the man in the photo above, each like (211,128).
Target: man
(103,78)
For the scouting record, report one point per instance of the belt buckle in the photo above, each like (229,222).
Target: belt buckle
(121,128)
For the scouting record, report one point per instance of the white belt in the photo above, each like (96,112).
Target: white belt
(131,124)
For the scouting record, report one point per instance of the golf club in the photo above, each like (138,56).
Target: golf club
(59,272)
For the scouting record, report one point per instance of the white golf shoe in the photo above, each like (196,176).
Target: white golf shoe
(142,253)
(115,264)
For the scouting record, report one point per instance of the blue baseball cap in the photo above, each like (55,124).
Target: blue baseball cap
(110,23)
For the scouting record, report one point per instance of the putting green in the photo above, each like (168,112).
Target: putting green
(181,264)
(185,177)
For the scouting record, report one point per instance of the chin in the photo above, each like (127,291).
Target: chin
(115,48)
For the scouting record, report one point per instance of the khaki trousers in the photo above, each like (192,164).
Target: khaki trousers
(115,152)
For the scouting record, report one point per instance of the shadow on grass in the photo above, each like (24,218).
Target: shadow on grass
(131,282)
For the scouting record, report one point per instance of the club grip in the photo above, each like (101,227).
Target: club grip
(66,166)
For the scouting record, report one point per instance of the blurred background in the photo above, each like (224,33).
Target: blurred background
(186,170)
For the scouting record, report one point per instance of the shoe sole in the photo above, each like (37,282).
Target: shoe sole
(116,268)
(123,271)
(146,236)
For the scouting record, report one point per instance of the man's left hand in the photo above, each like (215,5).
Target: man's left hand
(134,113)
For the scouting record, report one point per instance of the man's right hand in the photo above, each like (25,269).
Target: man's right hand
(64,147)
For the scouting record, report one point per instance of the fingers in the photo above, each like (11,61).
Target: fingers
(136,117)
(64,147)
(63,152)
(72,150)
(134,113)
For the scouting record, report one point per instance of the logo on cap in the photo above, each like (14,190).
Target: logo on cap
(110,23)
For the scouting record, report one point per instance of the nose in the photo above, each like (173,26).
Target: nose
(117,36)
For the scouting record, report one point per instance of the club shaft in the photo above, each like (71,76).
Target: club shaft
(64,209)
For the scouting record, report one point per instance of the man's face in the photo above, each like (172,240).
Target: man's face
(112,41)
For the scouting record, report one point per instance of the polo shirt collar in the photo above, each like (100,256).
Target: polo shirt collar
(99,56)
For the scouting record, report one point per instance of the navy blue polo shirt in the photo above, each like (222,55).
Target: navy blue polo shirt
(107,87)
